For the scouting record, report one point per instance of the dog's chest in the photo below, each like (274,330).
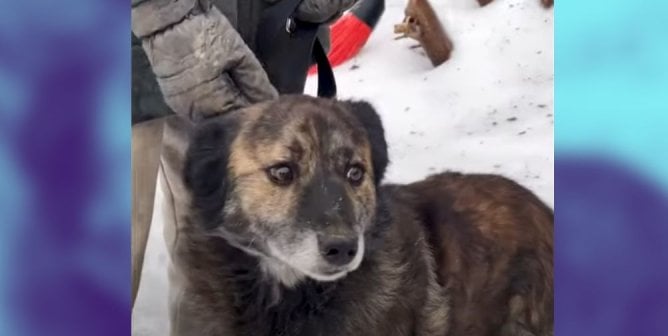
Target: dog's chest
(264,309)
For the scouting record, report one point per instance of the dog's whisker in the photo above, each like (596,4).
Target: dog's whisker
(250,243)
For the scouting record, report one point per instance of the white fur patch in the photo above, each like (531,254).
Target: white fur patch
(278,270)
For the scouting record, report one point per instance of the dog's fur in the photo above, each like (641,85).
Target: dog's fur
(452,255)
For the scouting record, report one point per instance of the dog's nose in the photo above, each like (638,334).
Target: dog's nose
(338,251)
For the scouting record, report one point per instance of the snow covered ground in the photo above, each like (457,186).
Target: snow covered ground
(489,109)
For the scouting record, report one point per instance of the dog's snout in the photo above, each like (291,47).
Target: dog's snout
(338,252)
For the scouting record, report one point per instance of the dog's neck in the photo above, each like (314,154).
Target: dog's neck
(263,279)
(271,269)
(263,302)
(282,273)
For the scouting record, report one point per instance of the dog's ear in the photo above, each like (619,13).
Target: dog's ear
(368,117)
(205,168)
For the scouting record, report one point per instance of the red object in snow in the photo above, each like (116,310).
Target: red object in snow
(350,32)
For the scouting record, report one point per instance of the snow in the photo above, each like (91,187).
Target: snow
(150,314)
(489,109)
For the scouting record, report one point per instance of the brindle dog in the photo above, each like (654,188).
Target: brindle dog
(291,233)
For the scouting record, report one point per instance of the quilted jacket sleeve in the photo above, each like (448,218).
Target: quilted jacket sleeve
(201,63)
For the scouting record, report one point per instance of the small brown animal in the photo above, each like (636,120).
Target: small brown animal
(422,24)
(292,233)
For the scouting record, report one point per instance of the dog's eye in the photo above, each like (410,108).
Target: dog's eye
(355,174)
(281,174)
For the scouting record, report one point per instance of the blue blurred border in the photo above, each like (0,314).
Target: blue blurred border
(611,62)
(65,167)
(611,170)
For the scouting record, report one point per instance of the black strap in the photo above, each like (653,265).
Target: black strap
(326,80)
(287,47)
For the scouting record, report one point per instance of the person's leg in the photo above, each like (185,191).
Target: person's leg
(147,100)
(146,148)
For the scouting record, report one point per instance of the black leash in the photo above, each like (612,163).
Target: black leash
(326,80)
(281,41)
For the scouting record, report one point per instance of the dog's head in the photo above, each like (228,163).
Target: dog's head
(291,181)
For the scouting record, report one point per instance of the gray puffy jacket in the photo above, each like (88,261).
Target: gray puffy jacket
(201,53)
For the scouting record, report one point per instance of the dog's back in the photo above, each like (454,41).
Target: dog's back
(492,242)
